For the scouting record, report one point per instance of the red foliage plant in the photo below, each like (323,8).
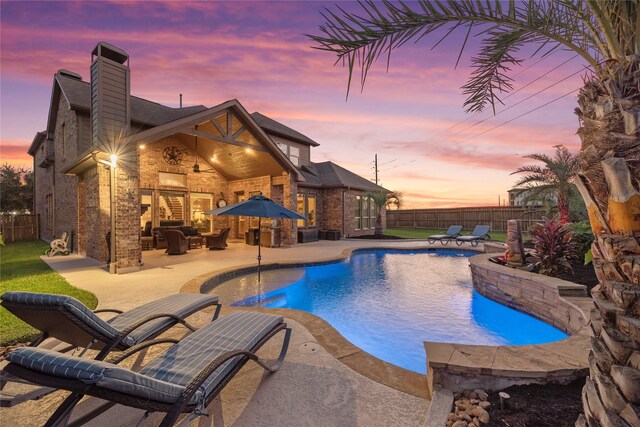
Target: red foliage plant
(555,247)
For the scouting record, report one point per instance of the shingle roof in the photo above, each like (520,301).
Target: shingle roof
(142,111)
(330,175)
(272,126)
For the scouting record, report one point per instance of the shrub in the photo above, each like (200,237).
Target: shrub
(583,237)
(555,247)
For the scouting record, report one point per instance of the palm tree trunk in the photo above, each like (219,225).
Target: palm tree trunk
(609,179)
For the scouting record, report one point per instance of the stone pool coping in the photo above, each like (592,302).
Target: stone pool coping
(328,337)
(561,303)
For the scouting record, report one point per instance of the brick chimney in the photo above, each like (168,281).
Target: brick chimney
(110,97)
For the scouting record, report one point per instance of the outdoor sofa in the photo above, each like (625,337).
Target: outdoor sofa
(184,379)
(444,239)
(481,232)
(68,320)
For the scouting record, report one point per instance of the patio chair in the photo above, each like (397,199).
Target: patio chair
(444,239)
(68,320)
(219,241)
(184,379)
(177,242)
(481,232)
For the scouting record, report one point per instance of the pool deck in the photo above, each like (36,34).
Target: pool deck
(316,385)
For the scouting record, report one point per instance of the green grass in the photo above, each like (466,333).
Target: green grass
(423,233)
(21,269)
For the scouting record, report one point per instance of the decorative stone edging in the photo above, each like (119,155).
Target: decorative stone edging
(357,359)
(560,303)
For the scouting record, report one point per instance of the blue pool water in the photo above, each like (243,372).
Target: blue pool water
(388,302)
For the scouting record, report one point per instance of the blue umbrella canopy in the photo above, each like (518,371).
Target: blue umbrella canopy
(259,206)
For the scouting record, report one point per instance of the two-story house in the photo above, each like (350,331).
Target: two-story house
(105,150)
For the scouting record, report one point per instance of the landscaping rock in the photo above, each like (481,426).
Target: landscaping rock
(460,424)
(484,405)
(482,395)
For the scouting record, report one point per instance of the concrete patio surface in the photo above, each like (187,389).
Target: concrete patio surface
(313,388)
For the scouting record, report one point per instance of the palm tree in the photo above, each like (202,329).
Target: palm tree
(606,35)
(554,179)
(380,199)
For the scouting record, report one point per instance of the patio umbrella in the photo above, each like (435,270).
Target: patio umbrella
(257,206)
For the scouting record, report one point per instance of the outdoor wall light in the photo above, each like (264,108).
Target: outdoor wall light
(248,150)
(114,160)
(142,146)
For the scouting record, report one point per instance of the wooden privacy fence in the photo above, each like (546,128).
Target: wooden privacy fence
(19,227)
(468,218)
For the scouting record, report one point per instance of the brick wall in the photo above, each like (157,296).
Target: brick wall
(44,187)
(65,193)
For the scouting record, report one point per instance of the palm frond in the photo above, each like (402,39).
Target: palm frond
(359,38)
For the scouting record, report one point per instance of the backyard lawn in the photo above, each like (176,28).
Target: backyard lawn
(423,233)
(21,269)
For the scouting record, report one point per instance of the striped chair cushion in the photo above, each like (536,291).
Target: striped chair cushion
(164,378)
(240,330)
(181,305)
(70,305)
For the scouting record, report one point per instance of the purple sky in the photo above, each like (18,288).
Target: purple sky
(257,52)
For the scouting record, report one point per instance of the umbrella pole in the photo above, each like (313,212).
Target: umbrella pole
(259,260)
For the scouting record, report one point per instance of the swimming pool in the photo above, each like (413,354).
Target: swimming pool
(388,302)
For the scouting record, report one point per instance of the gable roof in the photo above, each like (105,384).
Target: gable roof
(143,112)
(271,126)
(330,175)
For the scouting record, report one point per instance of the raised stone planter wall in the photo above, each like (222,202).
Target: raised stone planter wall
(535,294)
(560,303)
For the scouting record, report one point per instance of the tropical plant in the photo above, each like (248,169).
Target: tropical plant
(380,199)
(556,250)
(606,35)
(551,181)
(394,199)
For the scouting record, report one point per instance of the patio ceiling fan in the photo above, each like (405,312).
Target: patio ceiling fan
(196,166)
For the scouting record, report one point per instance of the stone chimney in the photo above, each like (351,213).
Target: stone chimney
(110,97)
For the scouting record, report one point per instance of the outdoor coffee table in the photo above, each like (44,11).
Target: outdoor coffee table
(195,242)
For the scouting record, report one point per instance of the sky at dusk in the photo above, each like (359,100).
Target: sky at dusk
(412,116)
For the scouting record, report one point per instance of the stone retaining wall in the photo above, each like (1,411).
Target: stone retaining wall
(562,304)
(536,294)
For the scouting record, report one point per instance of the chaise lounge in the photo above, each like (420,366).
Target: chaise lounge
(444,239)
(185,379)
(68,320)
(481,232)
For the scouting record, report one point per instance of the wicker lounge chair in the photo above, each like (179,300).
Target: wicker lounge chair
(177,242)
(481,232)
(218,241)
(185,379)
(67,319)
(444,239)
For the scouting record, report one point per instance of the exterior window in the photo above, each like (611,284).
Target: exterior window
(282,147)
(171,206)
(311,210)
(294,155)
(146,211)
(62,141)
(357,214)
(172,179)
(373,215)
(300,208)
(48,214)
(365,212)
(200,203)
